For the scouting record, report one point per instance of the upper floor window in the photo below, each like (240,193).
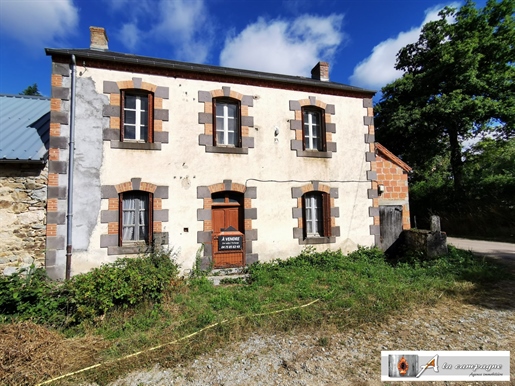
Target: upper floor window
(137,116)
(136,217)
(317,215)
(313,128)
(226,125)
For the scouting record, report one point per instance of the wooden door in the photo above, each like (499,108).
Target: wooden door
(390,218)
(224,218)
(227,213)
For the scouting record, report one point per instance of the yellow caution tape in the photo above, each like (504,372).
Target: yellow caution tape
(172,342)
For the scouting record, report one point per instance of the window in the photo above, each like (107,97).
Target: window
(313,127)
(316,214)
(137,116)
(135,217)
(226,125)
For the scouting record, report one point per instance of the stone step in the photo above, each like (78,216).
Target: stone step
(219,278)
(227,271)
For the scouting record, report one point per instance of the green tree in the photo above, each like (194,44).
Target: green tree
(458,84)
(31,90)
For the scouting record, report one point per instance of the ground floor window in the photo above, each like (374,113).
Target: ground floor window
(316,214)
(135,216)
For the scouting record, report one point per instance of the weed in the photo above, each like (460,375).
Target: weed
(145,304)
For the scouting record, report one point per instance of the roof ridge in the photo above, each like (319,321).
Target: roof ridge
(22,96)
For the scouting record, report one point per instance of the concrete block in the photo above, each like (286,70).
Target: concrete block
(251,192)
(247,100)
(294,106)
(204,96)
(161,192)
(161,114)
(110,87)
(162,92)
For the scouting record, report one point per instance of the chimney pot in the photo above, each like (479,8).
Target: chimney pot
(98,39)
(320,71)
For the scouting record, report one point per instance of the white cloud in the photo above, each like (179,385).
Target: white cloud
(184,24)
(130,35)
(379,68)
(282,46)
(38,23)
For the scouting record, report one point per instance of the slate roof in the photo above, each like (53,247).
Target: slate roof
(123,58)
(24,128)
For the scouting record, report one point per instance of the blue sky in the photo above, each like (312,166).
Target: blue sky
(359,38)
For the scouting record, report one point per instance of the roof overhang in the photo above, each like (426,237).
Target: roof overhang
(202,71)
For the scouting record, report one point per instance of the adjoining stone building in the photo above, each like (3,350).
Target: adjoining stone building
(24,137)
(249,166)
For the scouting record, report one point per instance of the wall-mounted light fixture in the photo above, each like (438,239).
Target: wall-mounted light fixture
(380,189)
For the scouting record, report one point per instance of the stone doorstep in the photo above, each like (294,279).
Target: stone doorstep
(217,279)
(227,271)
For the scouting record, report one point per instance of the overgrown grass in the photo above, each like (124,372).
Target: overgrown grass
(358,288)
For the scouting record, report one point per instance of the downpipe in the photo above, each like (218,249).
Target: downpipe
(71,152)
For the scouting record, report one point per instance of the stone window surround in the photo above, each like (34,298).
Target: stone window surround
(370,156)
(204,214)
(206,118)
(113,111)
(297,143)
(297,213)
(111,215)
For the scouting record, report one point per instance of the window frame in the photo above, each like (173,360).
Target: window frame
(150,115)
(149,217)
(322,214)
(322,145)
(238,131)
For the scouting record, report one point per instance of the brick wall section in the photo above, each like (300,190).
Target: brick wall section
(373,211)
(297,144)
(57,169)
(392,173)
(204,214)
(206,118)
(111,215)
(112,133)
(297,193)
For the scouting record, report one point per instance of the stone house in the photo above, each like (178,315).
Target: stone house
(24,136)
(393,200)
(232,165)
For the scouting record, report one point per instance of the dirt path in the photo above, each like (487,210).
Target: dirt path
(484,319)
(341,358)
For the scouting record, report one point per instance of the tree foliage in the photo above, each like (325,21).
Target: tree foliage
(31,90)
(457,85)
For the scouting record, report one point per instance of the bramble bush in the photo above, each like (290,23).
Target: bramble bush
(30,294)
(124,283)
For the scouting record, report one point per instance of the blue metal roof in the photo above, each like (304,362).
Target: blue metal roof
(24,128)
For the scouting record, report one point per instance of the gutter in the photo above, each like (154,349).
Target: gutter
(71,148)
(117,57)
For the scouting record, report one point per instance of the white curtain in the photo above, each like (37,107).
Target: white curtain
(129,218)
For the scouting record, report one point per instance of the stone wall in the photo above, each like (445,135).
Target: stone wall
(23,196)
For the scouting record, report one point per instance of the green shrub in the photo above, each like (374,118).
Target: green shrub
(124,283)
(30,294)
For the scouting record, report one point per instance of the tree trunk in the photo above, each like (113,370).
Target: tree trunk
(456,161)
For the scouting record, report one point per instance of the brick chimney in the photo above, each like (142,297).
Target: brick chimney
(321,71)
(98,39)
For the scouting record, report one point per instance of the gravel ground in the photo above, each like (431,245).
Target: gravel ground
(352,357)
